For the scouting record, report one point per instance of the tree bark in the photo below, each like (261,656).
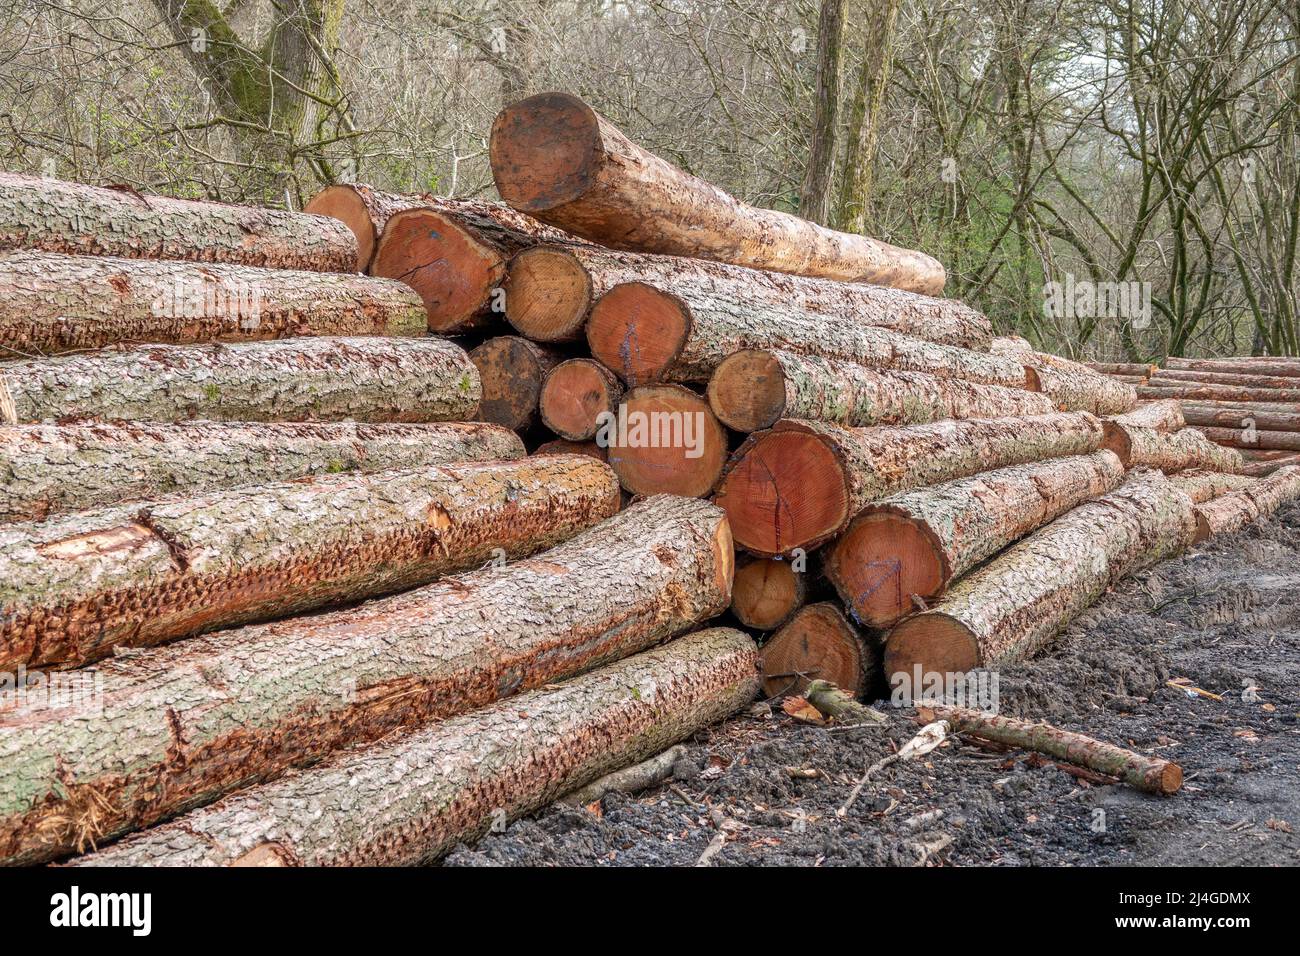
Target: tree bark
(1260,468)
(1236,509)
(755,388)
(1201,486)
(815,196)
(1010,608)
(1072,385)
(818,644)
(55,216)
(511,370)
(555,158)
(1168,388)
(801,483)
(645,334)
(575,395)
(767,592)
(664,440)
(183,724)
(364,210)
(1138,369)
(1221,415)
(562,446)
(551,290)
(56,303)
(1271,365)
(1251,438)
(309,379)
(1178,376)
(79,587)
(1165,415)
(1140,447)
(411,801)
(56,469)
(914,545)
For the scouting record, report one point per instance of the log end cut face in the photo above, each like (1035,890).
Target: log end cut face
(748,391)
(819,644)
(1115,438)
(548,294)
(638,331)
(511,374)
(346,205)
(573,397)
(666,441)
(932,641)
(545,151)
(766,592)
(883,563)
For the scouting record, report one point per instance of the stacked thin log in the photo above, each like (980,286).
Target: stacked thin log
(78,588)
(1123,370)
(819,643)
(1237,508)
(1177,377)
(305,379)
(555,158)
(1142,446)
(1261,467)
(409,802)
(1201,486)
(1248,365)
(184,724)
(1165,415)
(55,216)
(1071,385)
(1200,392)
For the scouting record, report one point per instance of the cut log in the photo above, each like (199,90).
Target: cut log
(1165,415)
(1169,388)
(562,446)
(512,371)
(1227,378)
(55,216)
(55,303)
(1248,365)
(1139,446)
(645,335)
(1012,606)
(410,801)
(1201,486)
(55,469)
(1264,454)
(79,587)
(183,724)
(1236,509)
(576,394)
(801,483)
(902,553)
(664,440)
(1131,369)
(310,379)
(632,779)
(767,592)
(550,291)
(555,158)
(1071,385)
(1129,379)
(818,644)
(1241,416)
(755,388)
(453,253)
(1261,468)
(364,210)
(1251,438)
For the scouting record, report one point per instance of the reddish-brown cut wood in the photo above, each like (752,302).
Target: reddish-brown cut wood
(555,158)
(1139,446)
(819,643)
(1165,415)
(512,370)
(562,446)
(51,215)
(1251,438)
(1236,509)
(574,396)
(664,440)
(1171,388)
(1247,365)
(364,210)
(767,591)
(1227,378)
(1242,416)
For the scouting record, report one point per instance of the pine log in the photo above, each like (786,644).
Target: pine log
(902,553)
(1248,365)
(1234,510)
(555,158)
(562,446)
(1169,388)
(1261,468)
(410,801)
(1011,607)
(511,370)
(56,469)
(1201,486)
(1264,454)
(767,592)
(364,210)
(453,253)
(1131,369)
(1242,416)
(1227,378)
(1129,379)
(77,588)
(645,335)
(55,216)
(755,388)
(800,483)
(1165,415)
(574,396)
(310,379)
(1139,446)
(1072,385)
(819,643)
(1251,438)
(664,440)
(550,292)
(183,724)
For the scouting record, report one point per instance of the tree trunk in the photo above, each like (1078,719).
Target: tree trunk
(364,210)
(1165,415)
(551,290)
(645,335)
(1260,468)
(55,216)
(1247,366)
(55,303)
(1141,447)
(1010,608)
(511,370)
(79,587)
(1177,377)
(1072,385)
(767,592)
(410,801)
(902,553)
(576,394)
(1201,486)
(818,644)
(755,388)
(664,440)
(183,724)
(1251,438)
(815,196)
(1236,509)
(801,483)
(1221,415)
(1167,388)
(321,379)
(1138,369)
(555,158)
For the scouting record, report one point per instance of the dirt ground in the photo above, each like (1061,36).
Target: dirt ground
(763,789)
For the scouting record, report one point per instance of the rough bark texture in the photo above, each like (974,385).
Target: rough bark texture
(1012,606)
(322,379)
(1233,510)
(575,395)
(767,592)
(557,159)
(364,210)
(1177,376)
(76,588)
(818,644)
(551,290)
(1271,365)
(55,469)
(1241,416)
(1167,388)
(915,544)
(1261,468)
(56,303)
(409,802)
(1165,415)
(1139,446)
(800,483)
(186,723)
(1072,385)
(755,388)
(511,370)
(562,446)
(1251,438)
(1201,486)
(1135,369)
(56,216)
(664,441)
(646,335)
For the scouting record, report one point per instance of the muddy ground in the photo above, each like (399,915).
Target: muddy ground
(763,789)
